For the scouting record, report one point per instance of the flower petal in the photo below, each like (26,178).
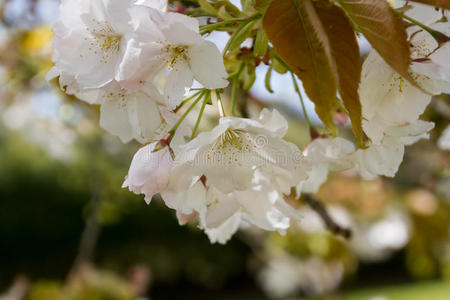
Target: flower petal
(206,63)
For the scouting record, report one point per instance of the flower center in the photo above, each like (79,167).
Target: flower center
(177,52)
(104,42)
(232,147)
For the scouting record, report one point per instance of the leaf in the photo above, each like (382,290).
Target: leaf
(239,36)
(298,36)
(230,8)
(223,13)
(261,43)
(207,7)
(277,65)
(345,51)
(437,3)
(247,5)
(385,31)
(261,5)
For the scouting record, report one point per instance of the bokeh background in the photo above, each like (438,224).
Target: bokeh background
(69,231)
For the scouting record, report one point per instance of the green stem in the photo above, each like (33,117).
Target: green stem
(187,100)
(234,88)
(200,114)
(220,104)
(297,90)
(233,96)
(236,32)
(438,36)
(341,107)
(211,27)
(175,127)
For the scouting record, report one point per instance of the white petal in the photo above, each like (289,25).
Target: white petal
(186,201)
(116,13)
(224,233)
(139,65)
(258,205)
(179,21)
(206,63)
(145,118)
(381,159)
(274,121)
(149,171)
(52,74)
(156,4)
(442,56)
(114,119)
(410,130)
(220,208)
(180,77)
(317,176)
(91,96)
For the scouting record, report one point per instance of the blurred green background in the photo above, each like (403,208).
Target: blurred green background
(69,231)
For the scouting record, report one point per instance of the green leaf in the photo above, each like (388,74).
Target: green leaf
(385,31)
(262,5)
(239,36)
(298,36)
(247,5)
(437,3)
(230,8)
(223,13)
(278,66)
(345,51)
(208,7)
(261,43)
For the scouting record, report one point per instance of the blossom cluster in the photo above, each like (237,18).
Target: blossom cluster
(391,106)
(136,61)
(115,53)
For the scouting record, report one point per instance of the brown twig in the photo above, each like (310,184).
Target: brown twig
(91,231)
(329,222)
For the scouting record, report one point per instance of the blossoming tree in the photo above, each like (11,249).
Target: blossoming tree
(138,60)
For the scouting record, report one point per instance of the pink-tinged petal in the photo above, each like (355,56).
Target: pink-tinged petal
(149,171)
(183,219)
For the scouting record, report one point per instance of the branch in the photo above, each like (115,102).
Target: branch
(329,222)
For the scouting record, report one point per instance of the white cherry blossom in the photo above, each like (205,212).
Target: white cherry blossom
(139,115)
(431,59)
(221,214)
(238,171)
(150,171)
(324,155)
(260,205)
(379,159)
(170,43)
(91,39)
(230,154)
(388,101)
(248,170)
